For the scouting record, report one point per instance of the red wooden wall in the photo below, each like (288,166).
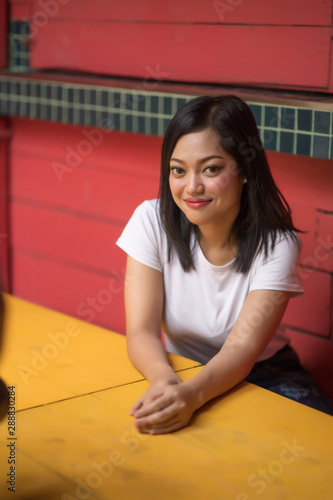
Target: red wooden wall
(65,220)
(276,43)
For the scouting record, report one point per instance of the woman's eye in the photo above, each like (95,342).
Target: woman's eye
(176,170)
(213,169)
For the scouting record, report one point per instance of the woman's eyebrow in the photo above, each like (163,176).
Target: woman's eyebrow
(203,160)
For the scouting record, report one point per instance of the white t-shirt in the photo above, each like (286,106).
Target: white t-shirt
(202,305)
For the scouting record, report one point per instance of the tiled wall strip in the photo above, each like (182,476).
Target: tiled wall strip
(286,129)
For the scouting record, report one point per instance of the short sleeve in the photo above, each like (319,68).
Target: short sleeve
(280,270)
(141,237)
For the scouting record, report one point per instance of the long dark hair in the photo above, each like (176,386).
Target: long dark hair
(264,212)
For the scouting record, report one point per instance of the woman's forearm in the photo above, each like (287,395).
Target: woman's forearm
(219,375)
(149,357)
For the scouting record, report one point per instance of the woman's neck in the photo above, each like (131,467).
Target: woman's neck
(219,247)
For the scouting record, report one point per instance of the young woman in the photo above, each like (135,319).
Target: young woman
(214,262)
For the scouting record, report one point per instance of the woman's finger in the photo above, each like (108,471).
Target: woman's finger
(160,418)
(136,407)
(154,407)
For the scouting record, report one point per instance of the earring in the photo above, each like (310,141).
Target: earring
(244,181)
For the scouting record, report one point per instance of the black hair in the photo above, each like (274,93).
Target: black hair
(264,212)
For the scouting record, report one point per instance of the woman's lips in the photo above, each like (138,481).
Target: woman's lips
(196,202)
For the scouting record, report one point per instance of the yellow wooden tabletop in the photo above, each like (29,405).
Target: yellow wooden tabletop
(245,445)
(50,356)
(79,442)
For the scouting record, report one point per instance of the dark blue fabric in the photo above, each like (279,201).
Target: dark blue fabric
(284,375)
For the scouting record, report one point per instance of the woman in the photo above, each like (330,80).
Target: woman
(214,262)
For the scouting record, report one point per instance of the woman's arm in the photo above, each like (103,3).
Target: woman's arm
(256,324)
(144,298)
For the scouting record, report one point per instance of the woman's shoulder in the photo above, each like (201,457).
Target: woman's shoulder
(281,245)
(149,207)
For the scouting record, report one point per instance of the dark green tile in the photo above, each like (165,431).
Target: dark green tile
(256,110)
(180,102)
(322,122)
(167,105)
(116,99)
(70,95)
(287,118)
(129,123)
(286,142)
(5,87)
(59,93)
(82,117)
(104,98)
(142,103)
(271,116)
(92,97)
(82,97)
(141,125)
(154,126)
(48,112)
(116,120)
(70,115)
(154,104)
(270,140)
(165,125)
(137,99)
(304,121)
(303,144)
(130,102)
(320,146)
(93,119)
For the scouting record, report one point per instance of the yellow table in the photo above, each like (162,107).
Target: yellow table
(51,356)
(246,445)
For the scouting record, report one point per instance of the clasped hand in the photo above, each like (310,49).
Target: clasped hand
(164,407)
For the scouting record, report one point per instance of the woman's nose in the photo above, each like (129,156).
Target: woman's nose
(194,184)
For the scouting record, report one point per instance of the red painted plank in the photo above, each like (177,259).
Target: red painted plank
(20,10)
(303,180)
(288,12)
(266,56)
(68,145)
(4,209)
(103,194)
(90,297)
(311,311)
(317,241)
(330,88)
(76,241)
(316,354)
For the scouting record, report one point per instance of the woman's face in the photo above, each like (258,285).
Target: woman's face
(204,180)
